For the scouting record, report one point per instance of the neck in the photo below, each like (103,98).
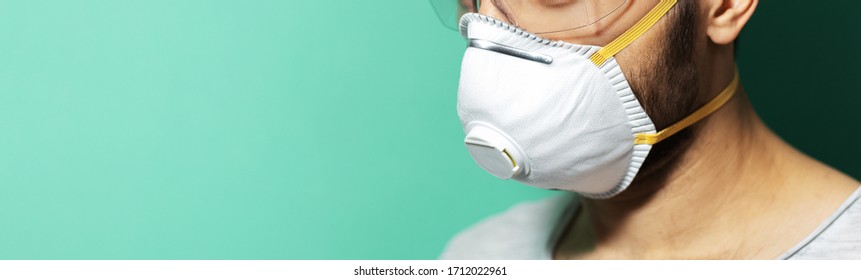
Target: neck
(734,181)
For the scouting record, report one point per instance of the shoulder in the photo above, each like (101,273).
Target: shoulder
(521,232)
(841,238)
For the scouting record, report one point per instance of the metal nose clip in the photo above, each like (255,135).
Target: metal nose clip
(512,51)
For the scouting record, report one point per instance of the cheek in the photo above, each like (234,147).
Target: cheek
(642,55)
(489,9)
(608,28)
(640,62)
(636,64)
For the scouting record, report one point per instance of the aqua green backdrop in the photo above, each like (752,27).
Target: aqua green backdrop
(301,129)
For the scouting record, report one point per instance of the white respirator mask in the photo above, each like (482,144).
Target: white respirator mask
(556,115)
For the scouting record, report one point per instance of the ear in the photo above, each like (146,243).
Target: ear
(727,17)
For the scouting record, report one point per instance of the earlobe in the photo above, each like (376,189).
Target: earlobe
(726,18)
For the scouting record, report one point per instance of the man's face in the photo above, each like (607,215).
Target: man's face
(661,66)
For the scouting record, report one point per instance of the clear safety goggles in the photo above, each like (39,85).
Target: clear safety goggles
(536,16)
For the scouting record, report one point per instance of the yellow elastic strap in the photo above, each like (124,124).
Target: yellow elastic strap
(702,112)
(633,33)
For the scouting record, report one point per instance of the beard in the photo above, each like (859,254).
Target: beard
(667,87)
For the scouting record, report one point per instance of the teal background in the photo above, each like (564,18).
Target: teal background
(301,129)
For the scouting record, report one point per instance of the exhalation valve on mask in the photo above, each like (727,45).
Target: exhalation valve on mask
(495,152)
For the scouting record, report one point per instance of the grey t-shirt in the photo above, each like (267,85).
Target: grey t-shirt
(530,230)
